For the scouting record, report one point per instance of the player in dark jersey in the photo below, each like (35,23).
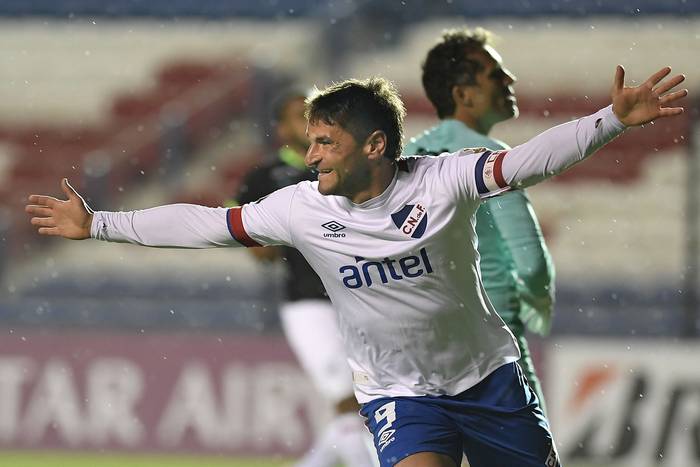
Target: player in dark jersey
(308,319)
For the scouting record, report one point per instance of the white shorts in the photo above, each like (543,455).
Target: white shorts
(311,328)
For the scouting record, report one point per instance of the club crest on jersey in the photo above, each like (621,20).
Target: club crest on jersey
(412,220)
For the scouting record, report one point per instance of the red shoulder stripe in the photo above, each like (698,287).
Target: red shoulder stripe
(498,170)
(234,219)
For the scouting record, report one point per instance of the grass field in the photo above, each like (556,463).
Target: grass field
(62,459)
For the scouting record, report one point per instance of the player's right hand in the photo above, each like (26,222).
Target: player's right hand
(69,219)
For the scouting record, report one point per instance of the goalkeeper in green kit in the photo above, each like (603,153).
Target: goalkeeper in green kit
(471,91)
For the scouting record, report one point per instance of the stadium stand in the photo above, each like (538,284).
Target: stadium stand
(135,139)
(155,124)
(148,136)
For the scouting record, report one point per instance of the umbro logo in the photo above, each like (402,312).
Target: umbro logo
(386,438)
(335,227)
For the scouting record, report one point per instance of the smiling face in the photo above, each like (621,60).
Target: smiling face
(341,161)
(355,130)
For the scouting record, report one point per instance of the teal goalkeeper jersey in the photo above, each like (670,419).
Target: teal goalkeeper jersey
(516,268)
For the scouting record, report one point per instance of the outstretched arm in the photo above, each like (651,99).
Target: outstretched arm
(176,225)
(560,147)
(170,226)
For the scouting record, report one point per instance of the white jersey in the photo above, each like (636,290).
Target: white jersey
(412,309)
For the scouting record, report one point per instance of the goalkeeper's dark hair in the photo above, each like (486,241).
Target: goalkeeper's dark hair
(281,102)
(448,65)
(361,107)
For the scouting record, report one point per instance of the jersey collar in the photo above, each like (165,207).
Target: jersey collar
(377,201)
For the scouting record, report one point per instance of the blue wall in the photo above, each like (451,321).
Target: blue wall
(408,10)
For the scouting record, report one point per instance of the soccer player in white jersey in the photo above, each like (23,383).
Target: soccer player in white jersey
(434,366)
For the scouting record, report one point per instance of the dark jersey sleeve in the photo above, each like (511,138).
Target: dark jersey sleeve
(256,184)
(302,282)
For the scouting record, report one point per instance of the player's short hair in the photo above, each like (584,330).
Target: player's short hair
(361,107)
(448,65)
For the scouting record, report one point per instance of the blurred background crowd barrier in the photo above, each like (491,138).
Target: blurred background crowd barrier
(144,103)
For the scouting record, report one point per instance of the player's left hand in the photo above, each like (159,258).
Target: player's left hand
(644,103)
